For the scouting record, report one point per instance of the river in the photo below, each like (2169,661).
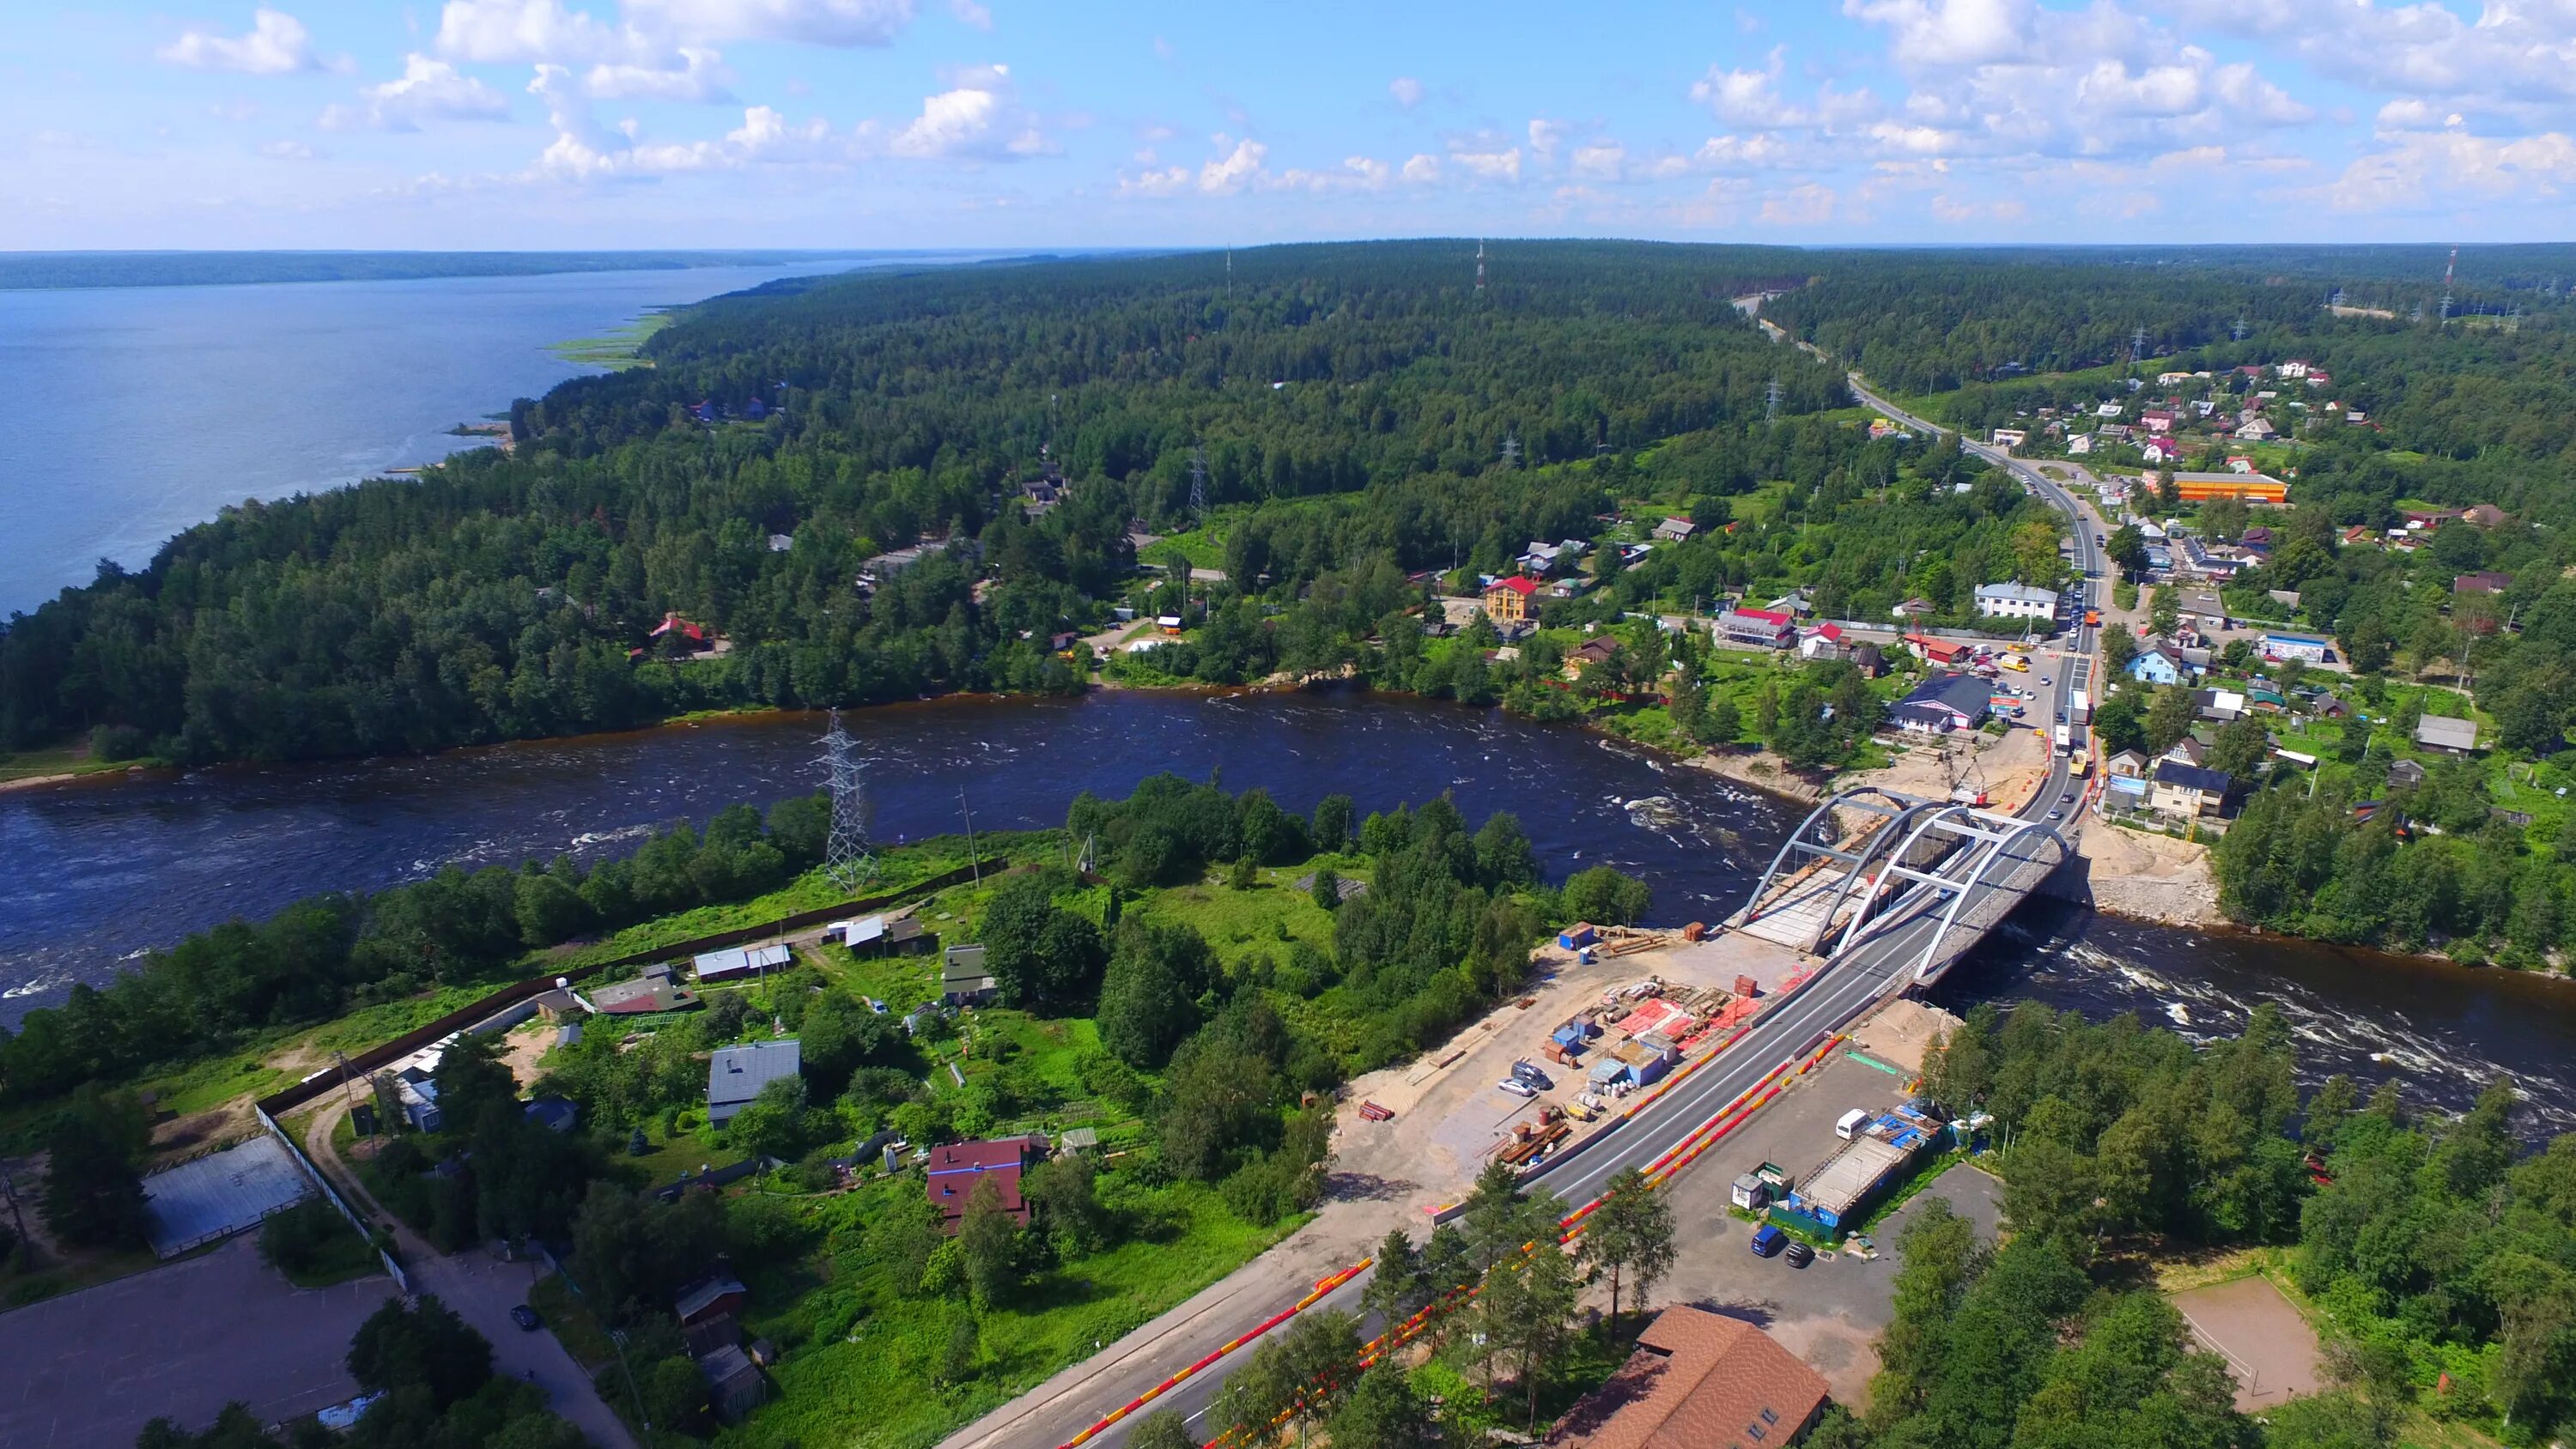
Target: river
(139,411)
(102,870)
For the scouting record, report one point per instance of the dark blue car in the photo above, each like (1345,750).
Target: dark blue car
(1768,1240)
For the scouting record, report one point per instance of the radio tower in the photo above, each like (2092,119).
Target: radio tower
(1198,481)
(845,858)
(2448,268)
(1480,266)
(1771,401)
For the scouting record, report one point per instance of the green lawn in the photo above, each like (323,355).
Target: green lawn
(874,1384)
(65,759)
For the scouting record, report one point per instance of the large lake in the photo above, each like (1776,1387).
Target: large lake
(100,871)
(137,411)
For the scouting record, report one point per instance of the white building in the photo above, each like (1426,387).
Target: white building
(2016,601)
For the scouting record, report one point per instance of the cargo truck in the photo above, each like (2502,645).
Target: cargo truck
(2065,737)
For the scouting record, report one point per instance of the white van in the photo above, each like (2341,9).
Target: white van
(1850,1124)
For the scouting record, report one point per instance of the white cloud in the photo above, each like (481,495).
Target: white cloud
(286,151)
(2435,171)
(1488,163)
(277,44)
(979,118)
(1406,90)
(1949,32)
(701,75)
(581,152)
(970,13)
(505,31)
(1545,136)
(1422,169)
(1804,205)
(1600,161)
(1232,172)
(2516,56)
(815,22)
(427,90)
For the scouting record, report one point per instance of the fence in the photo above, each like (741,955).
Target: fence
(295,1150)
(287,1100)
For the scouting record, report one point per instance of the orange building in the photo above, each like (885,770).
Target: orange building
(2244,487)
(1508,601)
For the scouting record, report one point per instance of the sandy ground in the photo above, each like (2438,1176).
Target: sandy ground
(2270,1349)
(2149,877)
(1761,770)
(1901,1031)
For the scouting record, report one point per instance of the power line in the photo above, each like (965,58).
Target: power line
(846,859)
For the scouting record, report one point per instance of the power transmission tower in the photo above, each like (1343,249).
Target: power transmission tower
(1480,266)
(2513,318)
(1771,401)
(2138,343)
(1511,450)
(2237,332)
(1198,481)
(2448,268)
(2337,299)
(846,859)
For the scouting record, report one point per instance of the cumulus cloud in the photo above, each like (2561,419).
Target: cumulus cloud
(2515,57)
(582,153)
(1486,159)
(286,151)
(815,22)
(276,44)
(1242,165)
(428,90)
(1422,169)
(2434,171)
(700,75)
(1406,90)
(970,13)
(505,31)
(978,118)
(1807,204)
(1235,170)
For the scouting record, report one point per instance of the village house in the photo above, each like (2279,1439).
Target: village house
(1936,650)
(1825,641)
(2450,736)
(1507,601)
(735,1075)
(2280,647)
(2010,437)
(2188,792)
(1674,530)
(1755,628)
(2484,582)
(2158,664)
(1942,704)
(1701,1380)
(956,1168)
(2016,601)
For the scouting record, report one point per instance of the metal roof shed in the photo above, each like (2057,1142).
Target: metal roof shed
(1848,1178)
(735,1075)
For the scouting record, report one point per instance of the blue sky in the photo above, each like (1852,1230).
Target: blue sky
(1009,123)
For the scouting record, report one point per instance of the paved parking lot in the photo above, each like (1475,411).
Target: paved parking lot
(1830,1312)
(2269,1348)
(93,1367)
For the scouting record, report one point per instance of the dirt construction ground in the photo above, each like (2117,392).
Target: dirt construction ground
(2149,877)
(91,1368)
(1830,1312)
(2268,1347)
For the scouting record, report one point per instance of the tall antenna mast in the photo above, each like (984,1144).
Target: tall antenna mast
(1229,271)
(1198,481)
(1771,401)
(1480,266)
(2448,268)
(845,857)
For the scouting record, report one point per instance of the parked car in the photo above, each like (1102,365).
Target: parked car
(1517,1087)
(525,1317)
(1523,1071)
(1768,1240)
(1799,1254)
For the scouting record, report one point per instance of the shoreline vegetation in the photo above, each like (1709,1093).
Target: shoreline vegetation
(618,348)
(1226,965)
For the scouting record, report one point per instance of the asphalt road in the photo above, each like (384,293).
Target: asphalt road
(1834,995)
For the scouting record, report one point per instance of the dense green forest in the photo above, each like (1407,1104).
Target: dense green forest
(2441,1270)
(500,596)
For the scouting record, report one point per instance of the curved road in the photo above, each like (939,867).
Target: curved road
(1834,995)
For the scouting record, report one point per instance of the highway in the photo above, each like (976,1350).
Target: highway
(1834,995)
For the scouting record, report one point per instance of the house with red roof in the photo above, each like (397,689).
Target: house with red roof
(1507,601)
(956,1168)
(1756,628)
